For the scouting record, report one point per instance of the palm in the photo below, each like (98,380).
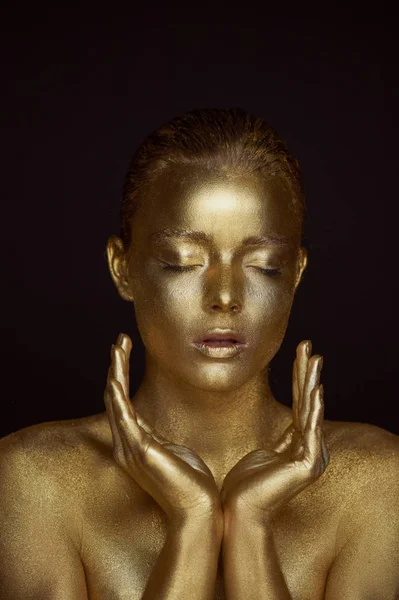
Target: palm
(178,461)
(175,476)
(190,458)
(265,479)
(260,477)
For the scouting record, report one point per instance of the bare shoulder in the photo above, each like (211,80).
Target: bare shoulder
(364,464)
(363,456)
(362,449)
(52,454)
(44,474)
(52,435)
(364,476)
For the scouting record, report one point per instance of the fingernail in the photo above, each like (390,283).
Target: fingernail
(308,348)
(120,339)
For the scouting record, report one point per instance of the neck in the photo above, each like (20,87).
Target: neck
(219,426)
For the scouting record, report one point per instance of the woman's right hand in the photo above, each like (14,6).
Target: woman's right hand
(175,476)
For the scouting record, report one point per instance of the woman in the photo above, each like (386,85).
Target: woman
(204,485)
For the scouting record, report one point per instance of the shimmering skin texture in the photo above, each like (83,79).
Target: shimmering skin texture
(203,485)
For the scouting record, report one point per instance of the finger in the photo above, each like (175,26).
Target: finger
(129,421)
(188,457)
(295,395)
(313,431)
(125,343)
(119,368)
(120,373)
(316,414)
(122,354)
(303,352)
(125,417)
(324,448)
(285,439)
(325,451)
(151,430)
(117,444)
(312,380)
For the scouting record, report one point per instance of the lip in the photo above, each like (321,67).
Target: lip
(220,343)
(217,335)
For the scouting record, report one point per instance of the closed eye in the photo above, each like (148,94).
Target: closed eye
(178,268)
(270,272)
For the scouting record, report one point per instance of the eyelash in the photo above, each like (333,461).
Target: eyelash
(178,269)
(270,272)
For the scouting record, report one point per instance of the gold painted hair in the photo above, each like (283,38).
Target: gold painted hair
(219,140)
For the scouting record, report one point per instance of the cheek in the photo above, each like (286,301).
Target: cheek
(165,309)
(270,317)
(280,304)
(273,303)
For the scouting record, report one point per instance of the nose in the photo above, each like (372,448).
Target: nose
(223,291)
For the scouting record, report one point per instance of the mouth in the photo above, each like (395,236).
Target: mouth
(220,345)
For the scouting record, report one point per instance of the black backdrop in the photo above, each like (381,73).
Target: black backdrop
(82,90)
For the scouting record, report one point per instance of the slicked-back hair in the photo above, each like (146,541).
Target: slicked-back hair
(229,141)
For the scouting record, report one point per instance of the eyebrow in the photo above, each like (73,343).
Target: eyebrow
(272,239)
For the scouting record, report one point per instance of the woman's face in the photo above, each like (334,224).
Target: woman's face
(236,244)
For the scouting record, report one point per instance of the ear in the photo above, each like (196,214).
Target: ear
(301,265)
(117,263)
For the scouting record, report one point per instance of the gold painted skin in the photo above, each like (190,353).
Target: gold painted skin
(238,503)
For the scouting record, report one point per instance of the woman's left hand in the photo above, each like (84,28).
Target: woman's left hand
(264,480)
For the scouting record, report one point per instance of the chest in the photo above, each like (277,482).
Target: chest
(123,535)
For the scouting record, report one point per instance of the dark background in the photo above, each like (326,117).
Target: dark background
(81,91)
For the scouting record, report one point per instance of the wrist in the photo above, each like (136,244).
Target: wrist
(207,521)
(243,517)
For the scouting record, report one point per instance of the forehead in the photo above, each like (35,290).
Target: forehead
(225,207)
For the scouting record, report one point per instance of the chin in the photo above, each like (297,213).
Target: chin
(219,377)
